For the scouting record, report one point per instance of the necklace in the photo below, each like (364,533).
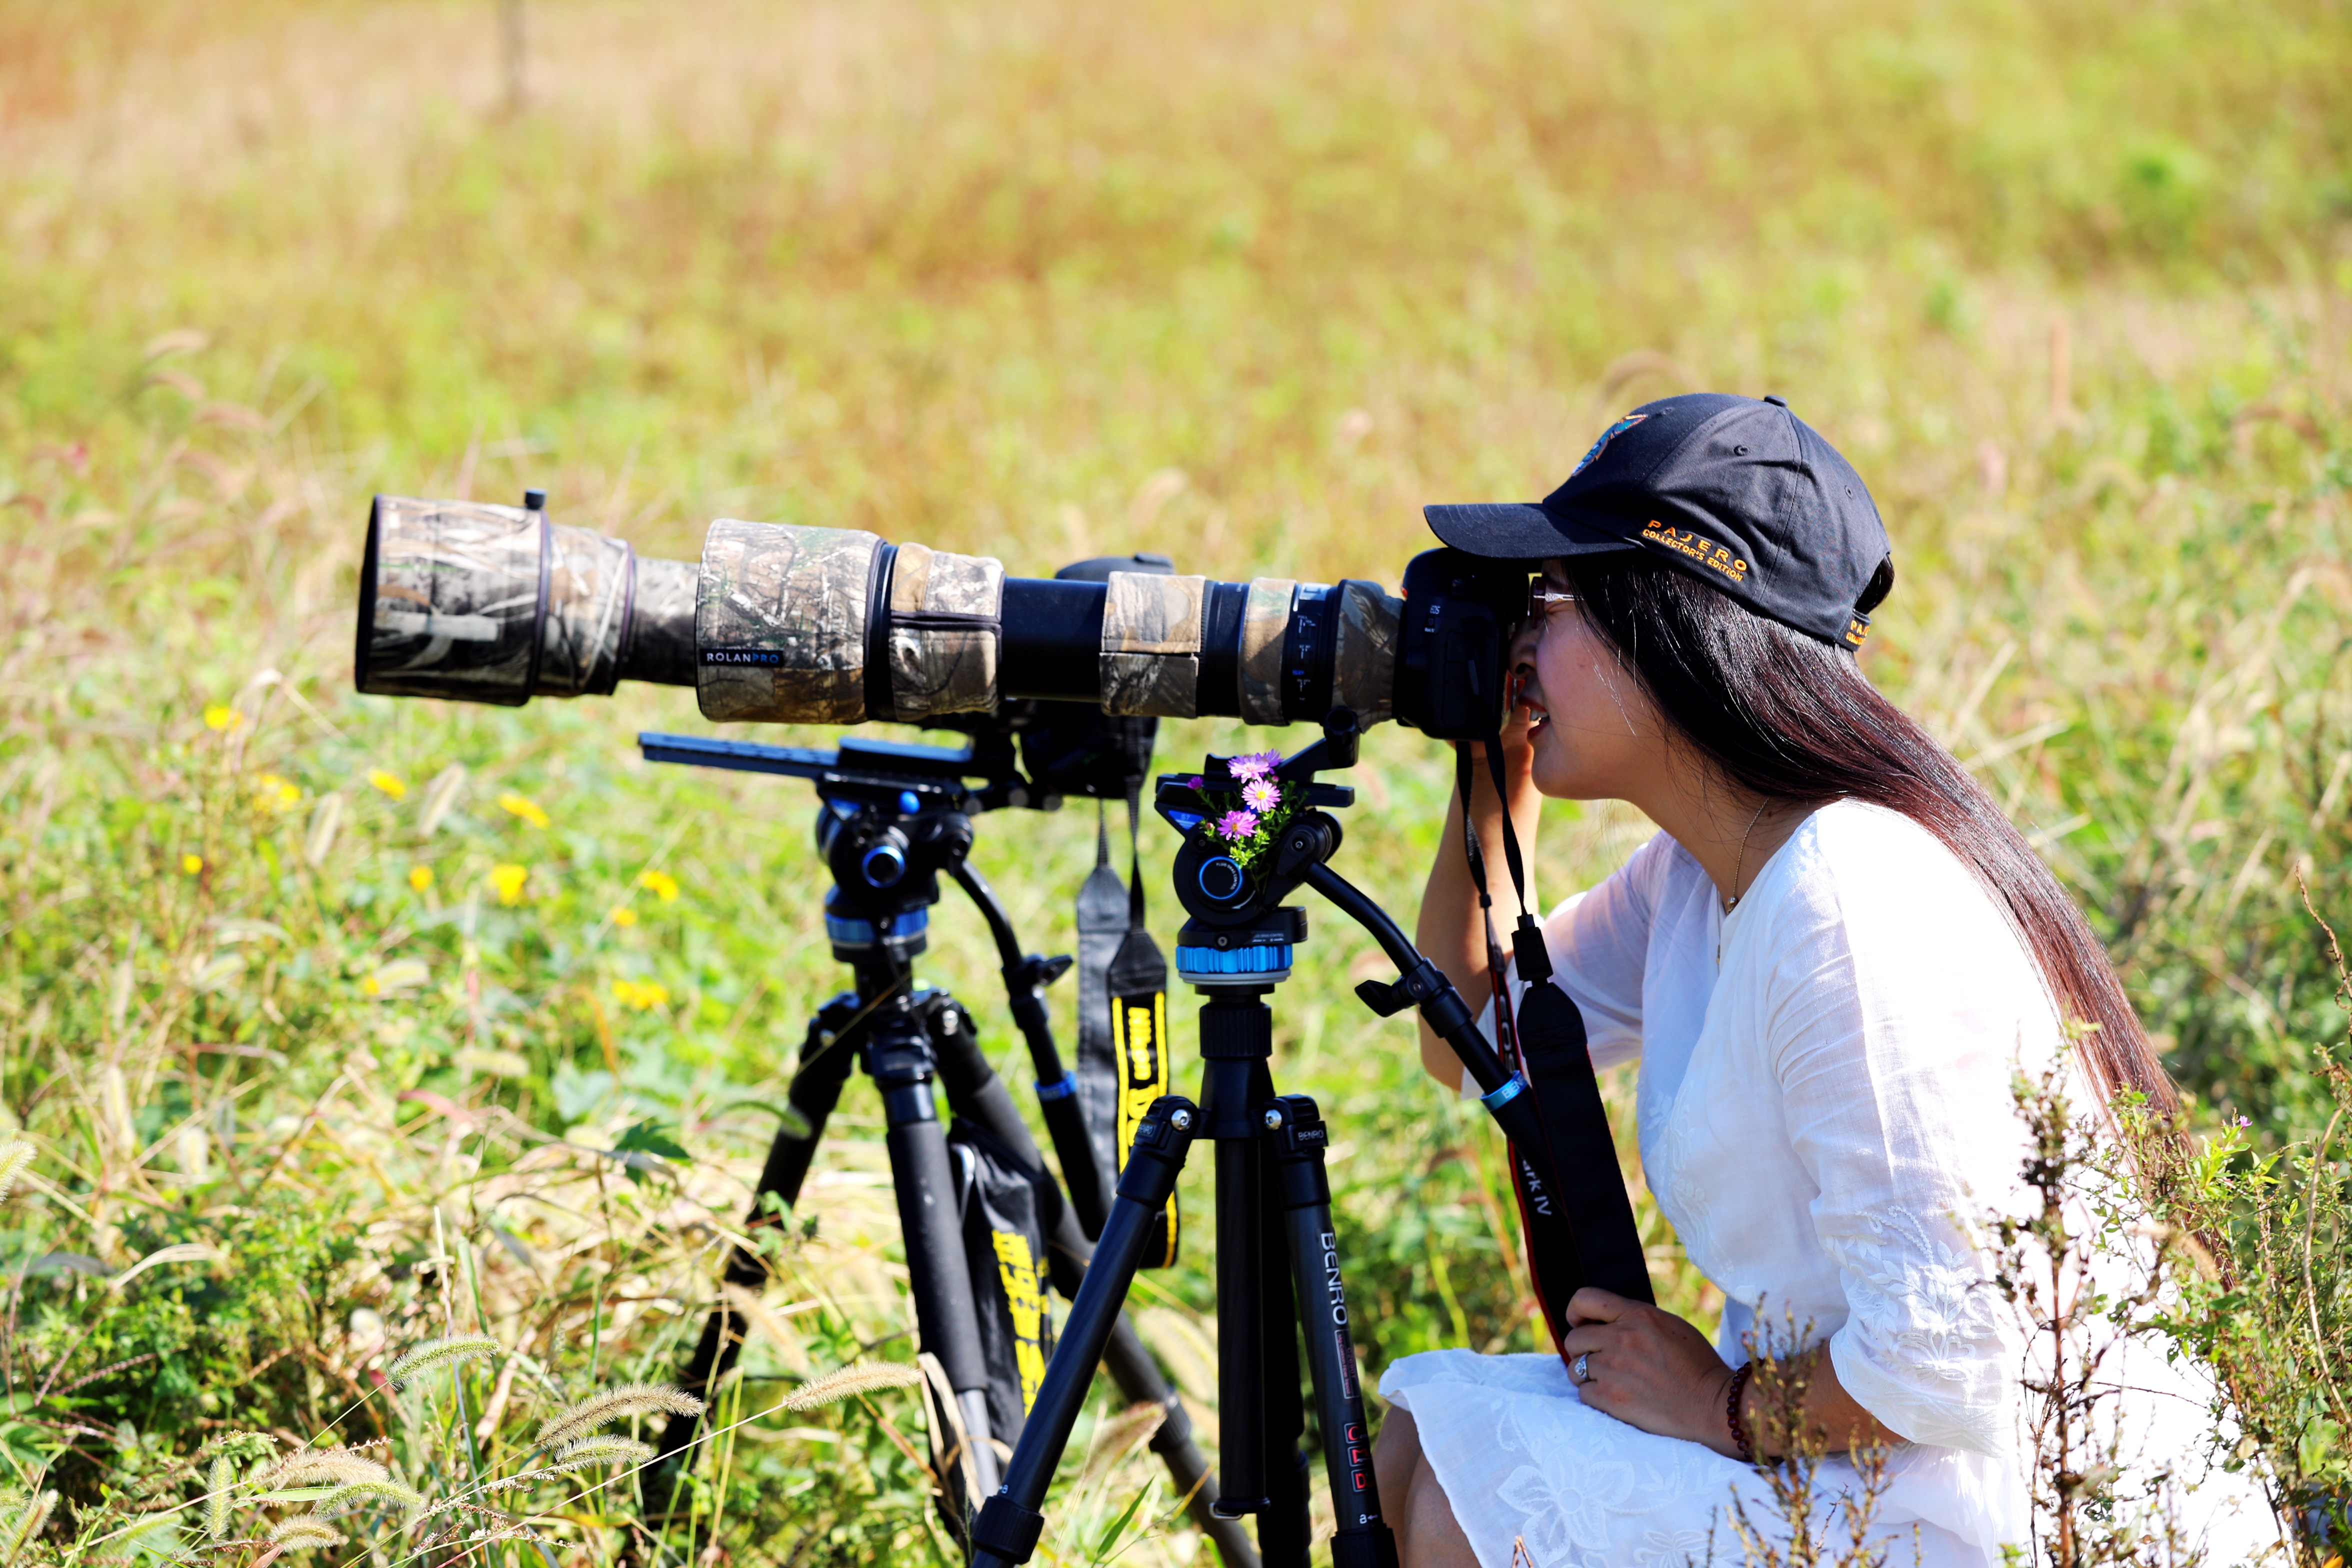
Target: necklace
(1737,866)
(1740,865)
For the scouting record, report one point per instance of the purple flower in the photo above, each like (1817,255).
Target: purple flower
(1236,825)
(1261,795)
(1256,765)
(1195,783)
(2245,1121)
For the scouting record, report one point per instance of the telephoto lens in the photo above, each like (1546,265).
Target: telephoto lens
(797,623)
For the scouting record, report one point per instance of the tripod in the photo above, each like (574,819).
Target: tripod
(892,819)
(1277,1256)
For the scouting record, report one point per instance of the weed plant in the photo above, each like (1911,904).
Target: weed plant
(337,1026)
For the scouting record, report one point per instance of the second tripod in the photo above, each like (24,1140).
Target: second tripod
(894,820)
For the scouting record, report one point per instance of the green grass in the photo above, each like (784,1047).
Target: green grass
(2073,289)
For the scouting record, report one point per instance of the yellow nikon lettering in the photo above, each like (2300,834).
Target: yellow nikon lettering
(1139,1034)
(1018,1269)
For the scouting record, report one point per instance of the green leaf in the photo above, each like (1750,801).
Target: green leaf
(1117,1527)
(647,1137)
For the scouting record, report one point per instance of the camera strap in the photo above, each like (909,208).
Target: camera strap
(1004,1201)
(1578,1223)
(1124,1063)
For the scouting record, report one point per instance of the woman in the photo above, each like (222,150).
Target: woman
(1830,963)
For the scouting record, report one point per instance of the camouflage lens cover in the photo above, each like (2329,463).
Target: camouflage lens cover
(1151,644)
(451,597)
(588,582)
(1265,616)
(946,624)
(779,622)
(1363,667)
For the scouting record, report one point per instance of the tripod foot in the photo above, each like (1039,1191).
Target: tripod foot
(1006,1531)
(1009,1522)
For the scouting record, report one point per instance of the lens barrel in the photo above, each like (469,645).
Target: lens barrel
(494,603)
(794,624)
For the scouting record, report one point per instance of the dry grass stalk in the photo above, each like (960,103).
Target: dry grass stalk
(848,1381)
(789,1348)
(583,1452)
(316,1467)
(15,1156)
(27,1525)
(436,1353)
(615,1404)
(300,1534)
(353,1495)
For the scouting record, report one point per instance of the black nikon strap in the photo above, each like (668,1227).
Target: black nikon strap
(1003,1200)
(1579,1226)
(1124,1063)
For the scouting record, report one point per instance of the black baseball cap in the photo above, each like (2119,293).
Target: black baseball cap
(1737,492)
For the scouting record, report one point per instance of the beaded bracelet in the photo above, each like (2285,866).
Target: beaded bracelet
(1739,1438)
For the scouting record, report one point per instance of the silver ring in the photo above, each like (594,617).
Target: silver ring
(1579,1371)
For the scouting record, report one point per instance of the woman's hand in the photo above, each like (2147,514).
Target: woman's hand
(1449,931)
(1648,1368)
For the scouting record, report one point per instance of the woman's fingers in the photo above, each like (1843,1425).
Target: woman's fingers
(1594,1305)
(1586,1338)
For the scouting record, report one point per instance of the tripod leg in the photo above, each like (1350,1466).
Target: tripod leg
(825,1061)
(1285,1535)
(1010,1523)
(978,1093)
(937,1276)
(1300,1192)
(1236,1036)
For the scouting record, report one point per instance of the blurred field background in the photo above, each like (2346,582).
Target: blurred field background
(2072,286)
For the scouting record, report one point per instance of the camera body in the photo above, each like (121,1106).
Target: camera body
(1459,613)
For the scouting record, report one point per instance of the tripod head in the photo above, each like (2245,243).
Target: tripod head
(891,817)
(1253,829)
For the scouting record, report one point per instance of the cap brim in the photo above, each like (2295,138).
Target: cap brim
(1518,530)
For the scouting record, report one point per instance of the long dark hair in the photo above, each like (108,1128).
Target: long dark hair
(1792,718)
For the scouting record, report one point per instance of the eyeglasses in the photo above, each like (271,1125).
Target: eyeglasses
(1543,599)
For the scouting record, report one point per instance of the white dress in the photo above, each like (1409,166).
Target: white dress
(1826,1116)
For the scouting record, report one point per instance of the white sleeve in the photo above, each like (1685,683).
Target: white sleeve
(1892,1047)
(1599,940)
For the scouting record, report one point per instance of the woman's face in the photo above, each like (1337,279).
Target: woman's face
(1594,733)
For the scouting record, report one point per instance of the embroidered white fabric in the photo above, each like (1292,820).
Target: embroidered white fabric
(1826,1116)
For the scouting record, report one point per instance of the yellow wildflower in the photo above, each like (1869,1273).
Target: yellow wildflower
(192,864)
(388,783)
(275,792)
(623,916)
(508,880)
(661,884)
(523,807)
(371,987)
(221,716)
(642,994)
(420,877)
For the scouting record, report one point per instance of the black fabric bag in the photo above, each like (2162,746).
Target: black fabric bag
(1124,1062)
(1002,1205)
(1579,1228)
